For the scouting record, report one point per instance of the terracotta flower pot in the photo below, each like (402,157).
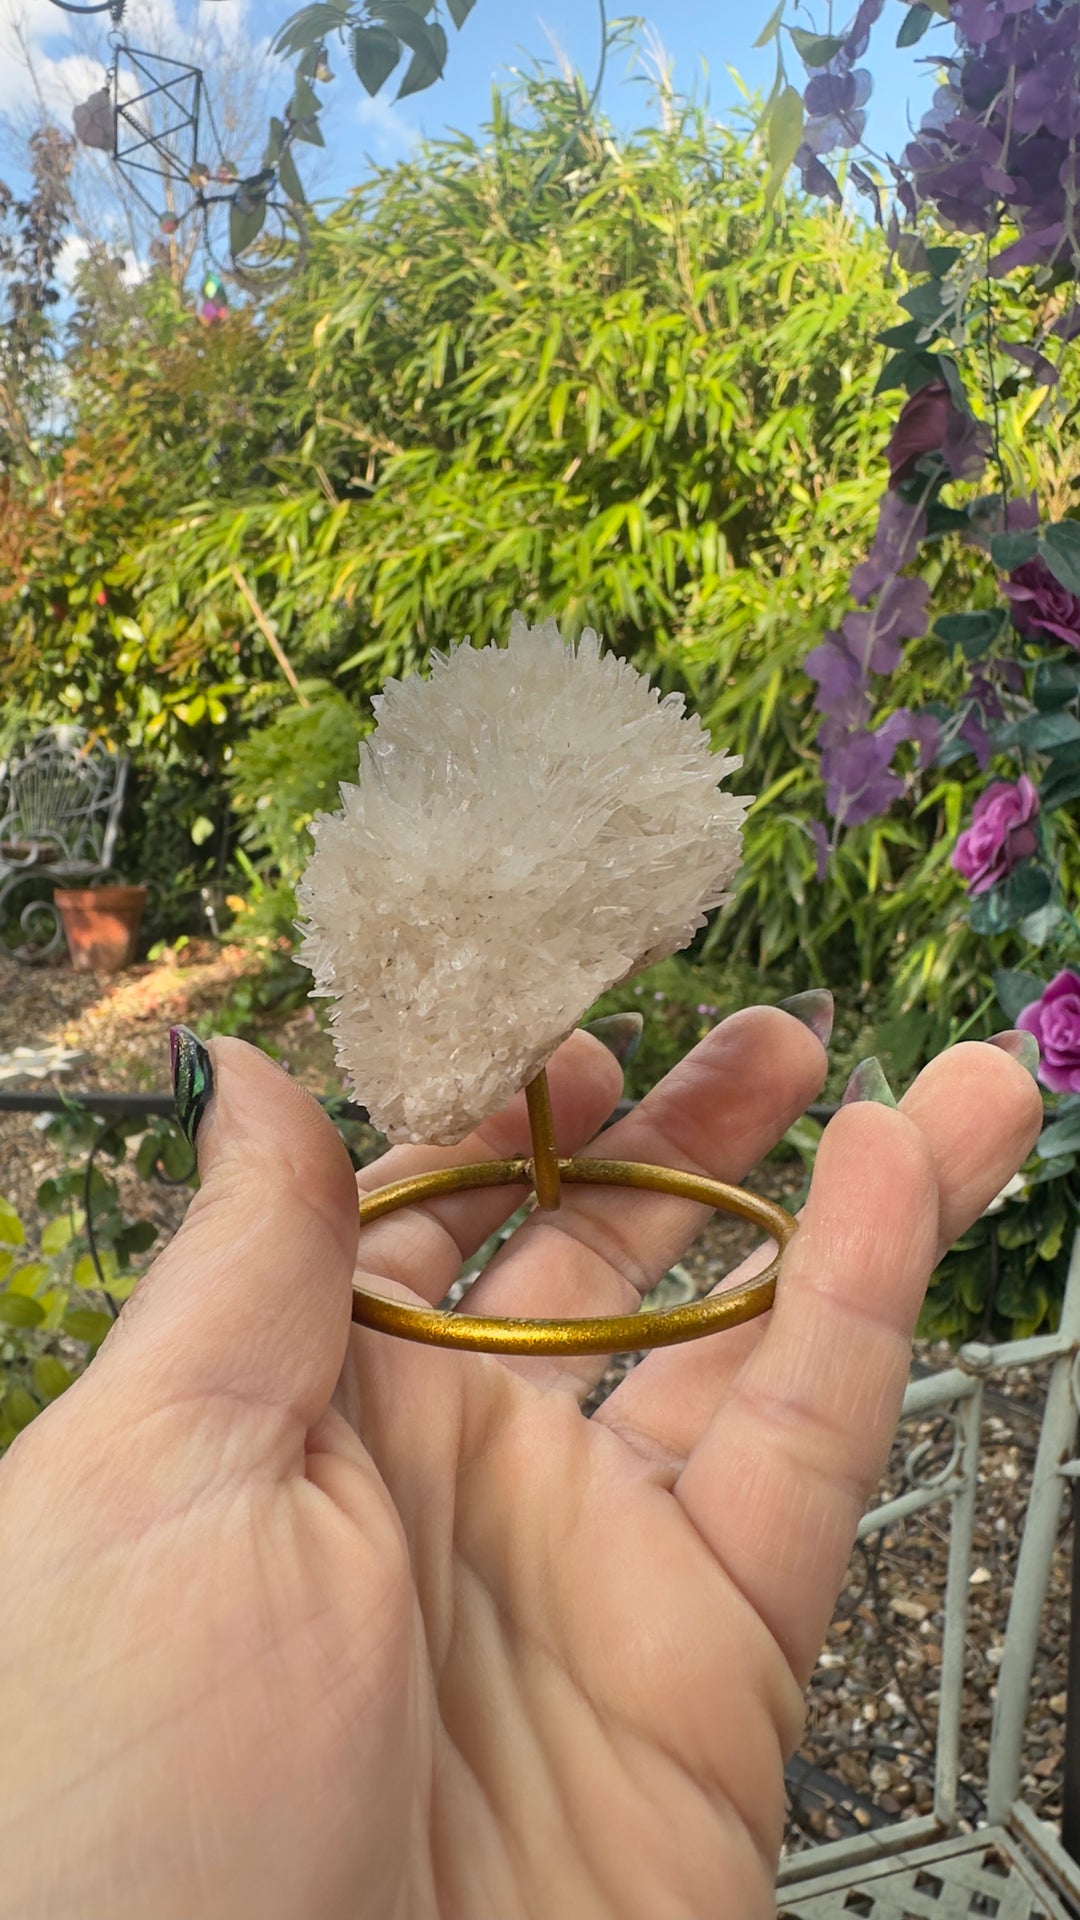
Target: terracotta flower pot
(101,925)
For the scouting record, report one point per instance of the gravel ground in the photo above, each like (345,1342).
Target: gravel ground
(867,1753)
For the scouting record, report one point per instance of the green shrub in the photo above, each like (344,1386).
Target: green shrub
(56,1303)
(279,776)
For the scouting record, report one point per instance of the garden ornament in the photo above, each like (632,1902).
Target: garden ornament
(531,825)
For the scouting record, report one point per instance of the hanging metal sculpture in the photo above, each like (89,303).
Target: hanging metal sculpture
(113,7)
(154,119)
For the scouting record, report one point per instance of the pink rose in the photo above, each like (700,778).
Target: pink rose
(1000,834)
(1054,1019)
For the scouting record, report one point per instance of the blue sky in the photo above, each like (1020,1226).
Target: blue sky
(702,39)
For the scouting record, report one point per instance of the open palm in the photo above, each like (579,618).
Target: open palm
(306,1623)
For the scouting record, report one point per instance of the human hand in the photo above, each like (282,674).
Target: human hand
(300,1622)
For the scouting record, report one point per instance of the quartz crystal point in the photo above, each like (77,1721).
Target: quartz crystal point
(530,825)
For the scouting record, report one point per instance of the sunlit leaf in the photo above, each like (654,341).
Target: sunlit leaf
(307,28)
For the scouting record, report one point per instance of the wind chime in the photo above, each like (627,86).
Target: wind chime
(154,118)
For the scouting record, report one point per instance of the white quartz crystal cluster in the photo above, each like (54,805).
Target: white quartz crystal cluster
(531,824)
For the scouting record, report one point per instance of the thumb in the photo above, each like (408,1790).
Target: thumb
(252,1297)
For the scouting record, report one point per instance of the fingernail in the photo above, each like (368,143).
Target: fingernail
(192,1078)
(814,1008)
(868,1082)
(620,1033)
(1019,1045)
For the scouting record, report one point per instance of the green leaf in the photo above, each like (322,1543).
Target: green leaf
(941,260)
(87,1324)
(1009,550)
(1017,1227)
(990,912)
(783,132)
(910,369)
(914,25)
(971,1279)
(138,1238)
(1061,551)
(460,10)
(11,1227)
(1039,927)
(1016,990)
(27,1279)
(20,1407)
(51,1377)
(146,1155)
(201,829)
(177,1157)
(1052,1229)
(1028,889)
(974,633)
(906,335)
(815,49)
(85,1274)
(309,131)
(304,104)
(407,25)
(1040,732)
(425,67)
(19,1310)
(58,1234)
(924,302)
(293,190)
(245,226)
(307,28)
(942,519)
(1061,781)
(274,143)
(772,25)
(1062,1136)
(1057,683)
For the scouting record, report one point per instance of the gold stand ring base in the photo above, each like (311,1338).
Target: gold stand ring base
(616,1333)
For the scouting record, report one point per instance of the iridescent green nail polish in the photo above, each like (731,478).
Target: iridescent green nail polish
(868,1082)
(192,1078)
(814,1008)
(620,1033)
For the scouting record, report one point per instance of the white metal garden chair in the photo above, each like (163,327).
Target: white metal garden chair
(1013,1867)
(61,796)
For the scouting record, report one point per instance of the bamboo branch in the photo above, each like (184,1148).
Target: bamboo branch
(270,636)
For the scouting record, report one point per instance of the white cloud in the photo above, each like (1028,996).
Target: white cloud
(70,258)
(76,249)
(392,135)
(223,20)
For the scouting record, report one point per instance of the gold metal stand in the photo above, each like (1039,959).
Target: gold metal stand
(616,1333)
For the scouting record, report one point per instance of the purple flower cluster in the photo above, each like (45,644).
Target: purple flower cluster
(856,761)
(1003,129)
(835,101)
(1003,133)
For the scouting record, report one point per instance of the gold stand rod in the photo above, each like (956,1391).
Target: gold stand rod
(545,1162)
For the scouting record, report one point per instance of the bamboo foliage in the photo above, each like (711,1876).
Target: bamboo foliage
(548,370)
